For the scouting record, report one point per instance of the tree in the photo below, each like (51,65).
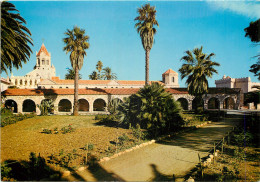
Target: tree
(145,27)
(197,68)
(152,108)
(253,32)
(71,75)
(76,43)
(94,76)
(108,75)
(99,67)
(15,38)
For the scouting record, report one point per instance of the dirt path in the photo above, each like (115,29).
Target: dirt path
(160,161)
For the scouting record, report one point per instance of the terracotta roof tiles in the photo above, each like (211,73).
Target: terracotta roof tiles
(43,49)
(169,71)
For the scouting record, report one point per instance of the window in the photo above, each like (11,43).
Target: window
(172,79)
(39,62)
(47,62)
(43,62)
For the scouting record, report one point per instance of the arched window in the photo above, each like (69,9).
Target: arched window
(47,62)
(172,79)
(29,106)
(83,105)
(43,62)
(184,103)
(12,105)
(99,105)
(229,103)
(64,105)
(39,62)
(213,103)
(21,82)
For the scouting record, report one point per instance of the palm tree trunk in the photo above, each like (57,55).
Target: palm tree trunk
(76,89)
(147,54)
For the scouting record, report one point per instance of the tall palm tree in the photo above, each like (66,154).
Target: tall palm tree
(93,76)
(108,75)
(197,68)
(145,27)
(15,38)
(99,67)
(76,43)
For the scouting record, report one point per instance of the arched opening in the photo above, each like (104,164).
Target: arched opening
(12,105)
(184,103)
(30,82)
(197,103)
(47,100)
(29,106)
(21,82)
(39,62)
(83,105)
(64,105)
(229,103)
(99,105)
(16,82)
(43,62)
(47,62)
(213,103)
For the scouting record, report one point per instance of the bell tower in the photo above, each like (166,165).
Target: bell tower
(170,78)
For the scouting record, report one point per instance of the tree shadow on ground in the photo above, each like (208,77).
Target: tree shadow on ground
(96,170)
(29,170)
(158,176)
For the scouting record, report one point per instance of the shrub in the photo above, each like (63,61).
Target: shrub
(100,116)
(122,139)
(15,118)
(152,108)
(47,106)
(67,129)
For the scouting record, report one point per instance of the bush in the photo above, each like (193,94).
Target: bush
(15,118)
(152,108)
(100,116)
(47,106)
(122,139)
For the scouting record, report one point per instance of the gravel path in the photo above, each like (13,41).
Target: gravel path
(160,161)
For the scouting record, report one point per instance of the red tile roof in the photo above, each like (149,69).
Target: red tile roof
(43,49)
(108,91)
(169,71)
(100,82)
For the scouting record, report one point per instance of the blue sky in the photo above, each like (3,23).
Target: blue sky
(183,25)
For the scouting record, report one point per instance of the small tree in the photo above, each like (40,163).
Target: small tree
(71,75)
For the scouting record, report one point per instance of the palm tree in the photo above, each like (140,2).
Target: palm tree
(76,43)
(93,76)
(71,75)
(15,38)
(145,27)
(108,75)
(99,67)
(197,67)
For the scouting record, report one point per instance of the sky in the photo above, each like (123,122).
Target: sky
(218,26)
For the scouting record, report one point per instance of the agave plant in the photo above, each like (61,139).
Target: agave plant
(46,107)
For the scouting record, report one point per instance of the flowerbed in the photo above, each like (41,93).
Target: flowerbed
(15,118)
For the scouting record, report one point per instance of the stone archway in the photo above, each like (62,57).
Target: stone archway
(64,105)
(197,102)
(213,103)
(83,105)
(99,105)
(29,106)
(184,103)
(11,104)
(229,103)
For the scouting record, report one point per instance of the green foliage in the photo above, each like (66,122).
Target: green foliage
(197,67)
(15,118)
(113,106)
(122,139)
(137,132)
(15,38)
(152,108)
(89,147)
(71,74)
(46,106)
(243,138)
(64,130)
(100,116)
(106,73)
(6,172)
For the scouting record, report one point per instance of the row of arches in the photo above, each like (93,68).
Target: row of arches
(213,103)
(43,62)
(64,105)
(25,82)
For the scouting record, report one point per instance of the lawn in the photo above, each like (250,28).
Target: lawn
(20,139)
